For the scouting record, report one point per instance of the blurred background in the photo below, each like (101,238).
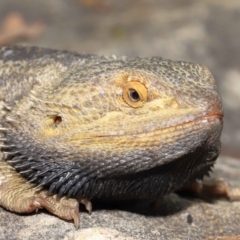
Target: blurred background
(203,31)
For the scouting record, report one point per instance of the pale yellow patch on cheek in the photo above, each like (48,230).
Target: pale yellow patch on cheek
(174,104)
(167,103)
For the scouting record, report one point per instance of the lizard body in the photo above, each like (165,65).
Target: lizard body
(86,126)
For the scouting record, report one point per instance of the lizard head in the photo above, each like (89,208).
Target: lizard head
(125,120)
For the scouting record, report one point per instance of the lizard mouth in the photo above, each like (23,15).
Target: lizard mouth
(208,118)
(214,113)
(205,119)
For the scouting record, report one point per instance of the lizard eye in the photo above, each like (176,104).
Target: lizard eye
(135,94)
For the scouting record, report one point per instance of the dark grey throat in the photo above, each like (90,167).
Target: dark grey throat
(77,179)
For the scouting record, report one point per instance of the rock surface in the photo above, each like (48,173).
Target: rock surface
(177,218)
(204,31)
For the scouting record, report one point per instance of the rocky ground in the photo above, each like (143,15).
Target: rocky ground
(207,32)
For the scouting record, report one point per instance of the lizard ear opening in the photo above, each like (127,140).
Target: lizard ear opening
(135,94)
(57,120)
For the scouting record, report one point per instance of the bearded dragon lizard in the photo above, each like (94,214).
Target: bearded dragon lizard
(75,127)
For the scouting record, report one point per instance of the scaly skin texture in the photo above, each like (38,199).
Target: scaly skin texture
(86,126)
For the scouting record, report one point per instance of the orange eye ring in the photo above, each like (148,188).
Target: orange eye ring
(135,94)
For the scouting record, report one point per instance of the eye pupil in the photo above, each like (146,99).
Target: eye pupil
(134,95)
